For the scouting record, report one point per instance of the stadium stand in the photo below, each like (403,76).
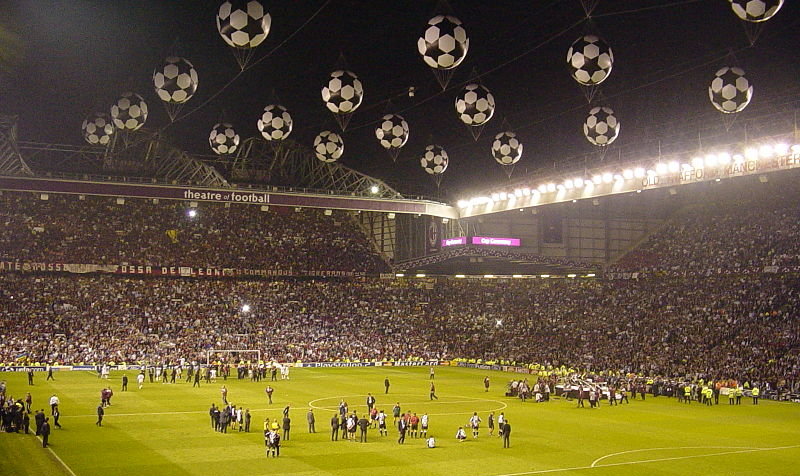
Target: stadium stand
(98,230)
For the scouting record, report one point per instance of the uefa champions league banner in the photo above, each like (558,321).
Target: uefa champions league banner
(480,366)
(338,364)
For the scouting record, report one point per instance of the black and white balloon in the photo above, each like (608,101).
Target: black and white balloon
(730,91)
(243,23)
(506,148)
(756,10)
(475,105)
(223,139)
(343,93)
(434,160)
(328,146)
(392,132)
(590,60)
(445,42)
(176,80)
(601,126)
(98,129)
(275,122)
(129,112)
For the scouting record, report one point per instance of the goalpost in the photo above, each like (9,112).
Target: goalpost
(211,352)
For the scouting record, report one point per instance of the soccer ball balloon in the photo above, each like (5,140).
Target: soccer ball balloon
(243,23)
(445,43)
(176,80)
(435,160)
(328,146)
(756,10)
(730,91)
(590,60)
(97,129)
(392,132)
(475,105)
(223,139)
(601,126)
(343,93)
(129,112)
(275,123)
(506,148)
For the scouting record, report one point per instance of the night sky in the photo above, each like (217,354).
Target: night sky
(62,60)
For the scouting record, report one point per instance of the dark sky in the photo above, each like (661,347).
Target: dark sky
(71,57)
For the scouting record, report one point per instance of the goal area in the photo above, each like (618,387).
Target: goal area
(232,355)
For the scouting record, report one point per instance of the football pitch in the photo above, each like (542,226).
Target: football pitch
(165,429)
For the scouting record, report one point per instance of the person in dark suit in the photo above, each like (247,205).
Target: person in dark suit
(506,434)
(26,422)
(56,416)
(287,422)
(45,431)
(363,424)
(100,413)
(30,376)
(370,401)
(402,427)
(39,418)
(311,420)
(335,427)
(124,383)
(386,384)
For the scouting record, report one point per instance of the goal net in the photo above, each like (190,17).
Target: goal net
(232,356)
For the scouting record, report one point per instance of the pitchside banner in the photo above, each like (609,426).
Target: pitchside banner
(183,271)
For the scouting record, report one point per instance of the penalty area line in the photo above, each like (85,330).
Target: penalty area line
(54,455)
(654,460)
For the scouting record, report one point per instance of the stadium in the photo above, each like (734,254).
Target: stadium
(431,300)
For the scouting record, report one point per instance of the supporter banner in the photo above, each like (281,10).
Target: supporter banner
(480,366)
(184,271)
(459,240)
(519,370)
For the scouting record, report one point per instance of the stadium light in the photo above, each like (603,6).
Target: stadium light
(495,197)
(460,276)
(627,174)
(399,275)
(638,172)
(661,168)
(569,184)
(578,182)
(498,322)
(192,213)
(751,153)
(597,179)
(697,162)
(463,204)
(526,191)
(796,149)
(543,188)
(503,196)
(571,275)
(608,177)
(420,275)
(766,151)
(374,189)
(246,308)
(516,275)
(674,166)
(781,149)
(545,275)
(488,276)
(724,158)
(551,187)
(590,275)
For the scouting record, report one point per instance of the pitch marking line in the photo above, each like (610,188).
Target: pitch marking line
(503,405)
(594,463)
(654,460)
(69,470)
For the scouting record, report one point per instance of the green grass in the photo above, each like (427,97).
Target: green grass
(142,436)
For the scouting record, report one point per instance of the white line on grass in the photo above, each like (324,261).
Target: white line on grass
(69,470)
(594,463)
(655,460)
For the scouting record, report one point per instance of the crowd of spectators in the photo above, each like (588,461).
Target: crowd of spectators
(742,327)
(721,238)
(99,230)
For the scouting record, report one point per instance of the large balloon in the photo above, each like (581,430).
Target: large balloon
(175,80)
(475,105)
(275,123)
(730,91)
(601,126)
(129,112)
(243,23)
(223,139)
(590,60)
(756,10)
(343,93)
(445,43)
(98,129)
(435,160)
(506,148)
(392,132)
(328,146)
